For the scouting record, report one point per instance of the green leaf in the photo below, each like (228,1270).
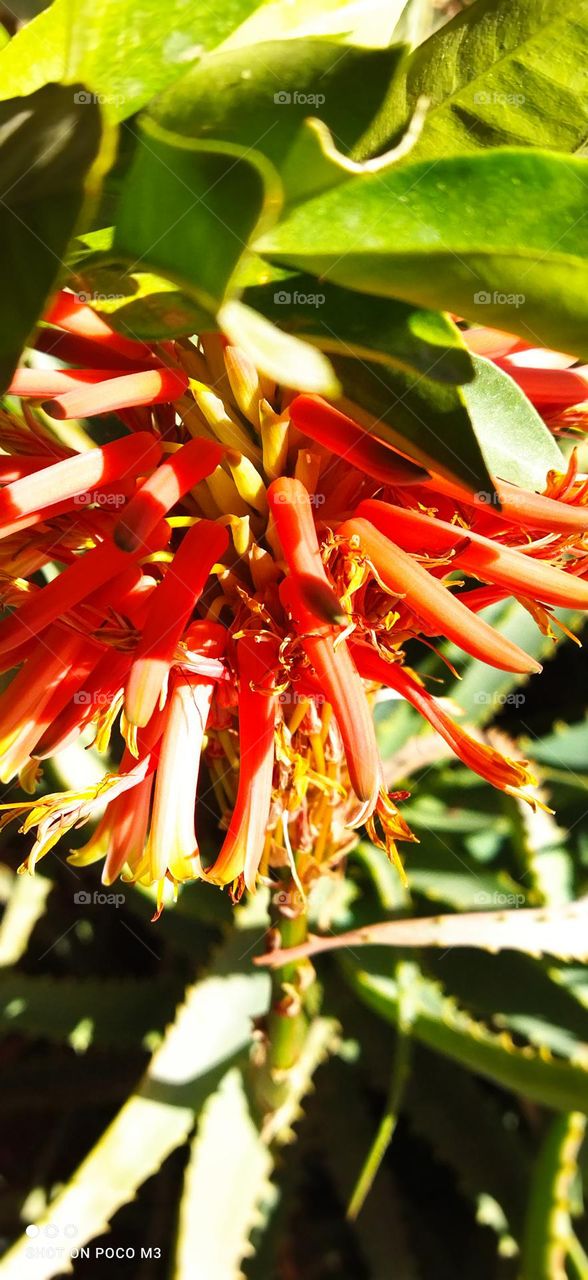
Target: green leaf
(425,419)
(500,238)
(85,1012)
(142,305)
(566,747)
(370,24)
(48,144)
(211,1029)
(441,1025)
(125,51)
(229,1165)
(516,992)
(548,1228)
(465,1124)
(516,444)
(188,210)
(500,74)
(26,904)
(558,931)
(259,97)
(279,355)
(382,330)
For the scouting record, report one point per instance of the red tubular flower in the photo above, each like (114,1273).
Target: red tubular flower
(144,387)
(518,506)
(334,430)
(169,611)
(172,840)
(517,572)
(85,575)
(40,383)
(432,603)
(290,506)
(507,775)
(122,459)
(242,847)
(186,468)
(339,679)
(91,695)
(69,313)
(552,388)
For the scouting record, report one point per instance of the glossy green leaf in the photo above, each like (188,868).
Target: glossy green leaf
(499,74)
(188,210)
(48,144)
(379,329)
(124,51)
(259,96)
(370,24)
(501,238)
(424,419)
(514,440)
(140,304)
(280,356)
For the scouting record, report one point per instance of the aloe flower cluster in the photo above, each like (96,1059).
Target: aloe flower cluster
(233,578)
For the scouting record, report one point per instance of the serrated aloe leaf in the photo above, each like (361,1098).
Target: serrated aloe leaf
(549,1230)
(498,74)
(229,1165)
(441,1025)
(559,931)
(211,1029)
(125,51)
(464,1123)
(84,1012)
(26,904)
(499,237)
(516,992)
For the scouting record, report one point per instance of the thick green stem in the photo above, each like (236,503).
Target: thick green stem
(287,1022)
